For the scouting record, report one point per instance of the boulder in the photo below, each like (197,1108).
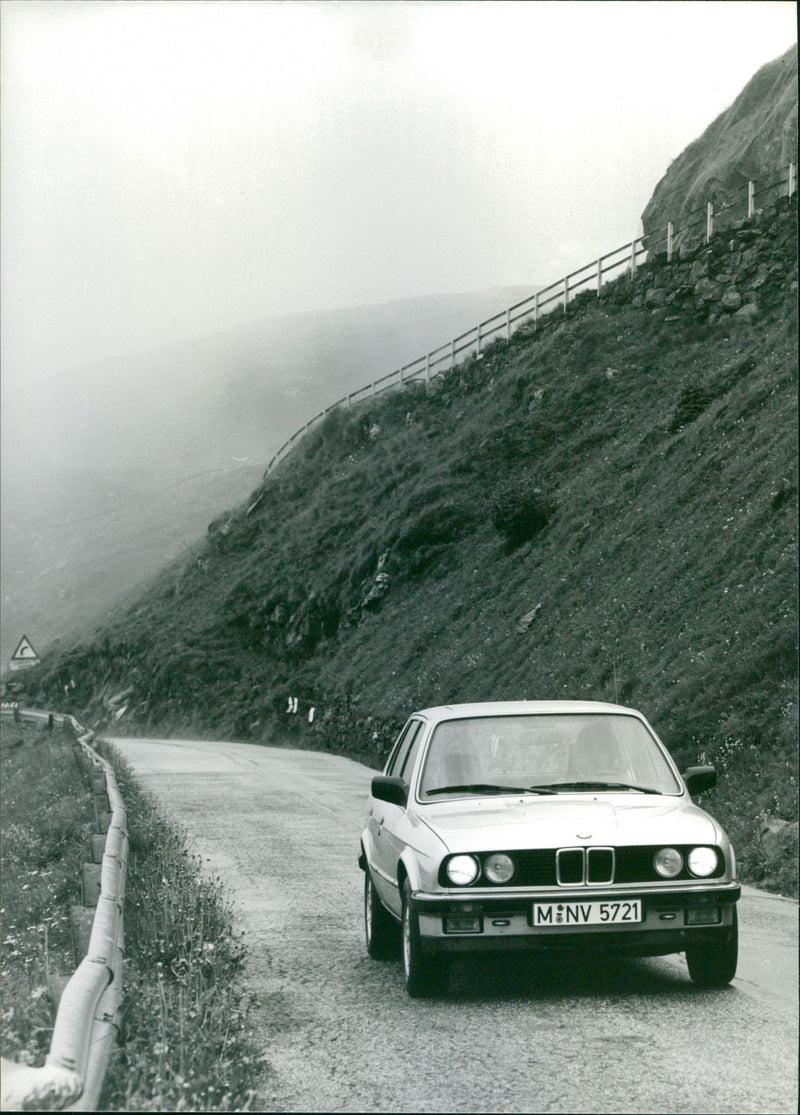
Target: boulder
(748,313)
(706,290)
(731,301)
(778,838)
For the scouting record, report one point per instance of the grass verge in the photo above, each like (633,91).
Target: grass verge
(185,1041)
(47,816)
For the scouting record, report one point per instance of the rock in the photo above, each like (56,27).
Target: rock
(748,313)
(778,838)
(750,139)
(524,622)
(731,301)
(706,290)
(377,592)
(655,297)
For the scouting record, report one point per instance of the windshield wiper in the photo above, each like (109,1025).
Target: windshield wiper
(556,787)
(490,788)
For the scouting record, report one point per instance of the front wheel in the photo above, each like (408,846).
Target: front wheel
(713,963)
(380,928)
(424,974)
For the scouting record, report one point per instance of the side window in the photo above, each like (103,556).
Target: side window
(411,754)
(402,748)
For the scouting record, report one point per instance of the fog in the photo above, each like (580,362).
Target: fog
(187,187)
(173,168)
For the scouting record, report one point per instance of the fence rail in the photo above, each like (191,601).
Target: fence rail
(87,1017)
(702,221)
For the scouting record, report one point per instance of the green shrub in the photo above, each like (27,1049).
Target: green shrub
(439,524)
(519,510)
(692,402)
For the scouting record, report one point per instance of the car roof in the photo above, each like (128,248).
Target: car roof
(520,708)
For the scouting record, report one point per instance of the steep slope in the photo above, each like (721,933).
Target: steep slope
(604,507)
(750,140)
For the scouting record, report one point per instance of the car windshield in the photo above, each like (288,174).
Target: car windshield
(561,753)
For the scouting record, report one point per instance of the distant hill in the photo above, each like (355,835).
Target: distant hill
(110,472)
(751,140)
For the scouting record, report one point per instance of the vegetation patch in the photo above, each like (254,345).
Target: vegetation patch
(519,510)
(48,817)
(693,400)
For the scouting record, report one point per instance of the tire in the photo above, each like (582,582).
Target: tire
(380,928)
(424,974)
(713,963)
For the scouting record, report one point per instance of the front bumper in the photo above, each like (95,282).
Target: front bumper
(504,921)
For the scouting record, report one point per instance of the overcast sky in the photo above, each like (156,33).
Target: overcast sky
(172,168)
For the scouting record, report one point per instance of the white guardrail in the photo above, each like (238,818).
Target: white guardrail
(592,276)
(87,1018)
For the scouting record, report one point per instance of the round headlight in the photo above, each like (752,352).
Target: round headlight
(462,870)
(668,862)
(498,868)
(702,861)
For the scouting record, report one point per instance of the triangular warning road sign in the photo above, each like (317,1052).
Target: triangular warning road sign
(24,655)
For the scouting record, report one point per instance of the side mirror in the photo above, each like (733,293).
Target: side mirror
(699,779)
(391,789)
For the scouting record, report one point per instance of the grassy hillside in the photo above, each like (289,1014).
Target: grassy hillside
(602,508)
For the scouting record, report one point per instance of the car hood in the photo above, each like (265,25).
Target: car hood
(564,821)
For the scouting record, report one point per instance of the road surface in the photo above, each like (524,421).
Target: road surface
(339,1032)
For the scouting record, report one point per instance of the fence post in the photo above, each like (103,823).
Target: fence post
(599,275)
(633,259)
(452,355)
(669,241)
(566,293)
(709,221)
(478,343)
(508,325)
(751,199)
(536,308)
(348,402)
(791,179)
(427,368)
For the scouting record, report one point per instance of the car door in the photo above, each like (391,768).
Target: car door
(387,821)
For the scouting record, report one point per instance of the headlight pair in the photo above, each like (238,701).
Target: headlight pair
(701,862)
(463,870)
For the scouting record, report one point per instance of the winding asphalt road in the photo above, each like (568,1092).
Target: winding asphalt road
(339,1032)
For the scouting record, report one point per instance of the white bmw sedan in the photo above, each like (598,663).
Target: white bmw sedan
(548,825)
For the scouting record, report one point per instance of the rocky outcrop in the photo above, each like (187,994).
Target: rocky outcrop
(778,838)
(739,273)
(749,141)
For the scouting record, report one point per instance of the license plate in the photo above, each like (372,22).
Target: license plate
(552,914)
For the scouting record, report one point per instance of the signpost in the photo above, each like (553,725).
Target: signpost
(24,656)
